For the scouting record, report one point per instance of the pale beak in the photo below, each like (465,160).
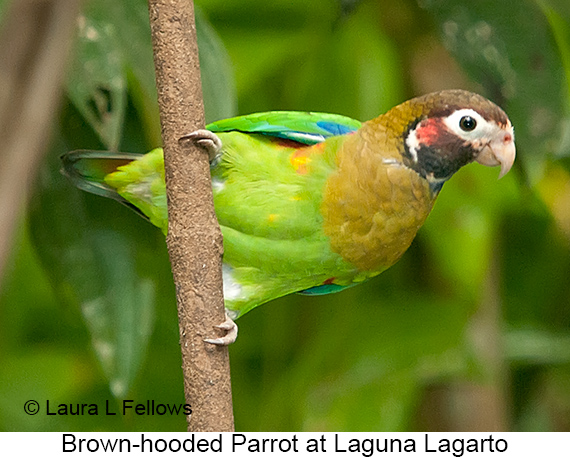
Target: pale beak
(499,151)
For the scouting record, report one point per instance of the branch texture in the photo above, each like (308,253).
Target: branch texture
(194,237)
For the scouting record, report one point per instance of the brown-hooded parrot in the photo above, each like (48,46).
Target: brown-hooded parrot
(314,203)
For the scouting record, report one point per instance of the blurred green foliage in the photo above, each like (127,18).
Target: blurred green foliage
(480,302)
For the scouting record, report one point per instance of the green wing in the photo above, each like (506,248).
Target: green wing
(267,190)
(267,196)
(303,127)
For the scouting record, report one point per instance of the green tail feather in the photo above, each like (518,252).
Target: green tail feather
(87,170)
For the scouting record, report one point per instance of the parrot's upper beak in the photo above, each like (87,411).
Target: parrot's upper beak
(499,151)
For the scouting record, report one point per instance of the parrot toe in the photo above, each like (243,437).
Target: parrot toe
(208,141)
(231,329)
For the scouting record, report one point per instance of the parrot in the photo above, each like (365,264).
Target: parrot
(313,203)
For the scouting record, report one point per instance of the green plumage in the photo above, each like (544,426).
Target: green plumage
(268,212)
(307,202)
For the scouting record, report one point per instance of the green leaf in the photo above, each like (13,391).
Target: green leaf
(461,230)
(130,19)
(89,246)
(38,375)
(561,31)
(96,268)
(120,318)
(372,373)
(358,62)
(510,51)
(125,26)
(96,82)
(359,363)
(535,259)
(559,20)
(533,346)
(218,86)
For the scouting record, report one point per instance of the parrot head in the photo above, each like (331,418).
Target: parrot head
(451,129)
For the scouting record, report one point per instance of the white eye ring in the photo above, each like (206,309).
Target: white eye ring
(468,124)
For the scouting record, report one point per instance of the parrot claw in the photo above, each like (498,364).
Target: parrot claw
(231,329)
(208,141)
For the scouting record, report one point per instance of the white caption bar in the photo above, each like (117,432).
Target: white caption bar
(241,444)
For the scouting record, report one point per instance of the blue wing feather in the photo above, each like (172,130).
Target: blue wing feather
(324,289)
(303,127)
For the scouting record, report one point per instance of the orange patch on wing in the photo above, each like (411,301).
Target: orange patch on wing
(301,158)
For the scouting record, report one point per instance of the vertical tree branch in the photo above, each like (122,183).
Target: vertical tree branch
(194,237)
(35,43)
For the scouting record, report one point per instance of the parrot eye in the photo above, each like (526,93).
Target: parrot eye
(467,123)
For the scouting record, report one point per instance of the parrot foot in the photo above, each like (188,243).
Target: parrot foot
(231,329)
(208,141)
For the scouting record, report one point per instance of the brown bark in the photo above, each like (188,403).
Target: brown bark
(194,237)
(35,42)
